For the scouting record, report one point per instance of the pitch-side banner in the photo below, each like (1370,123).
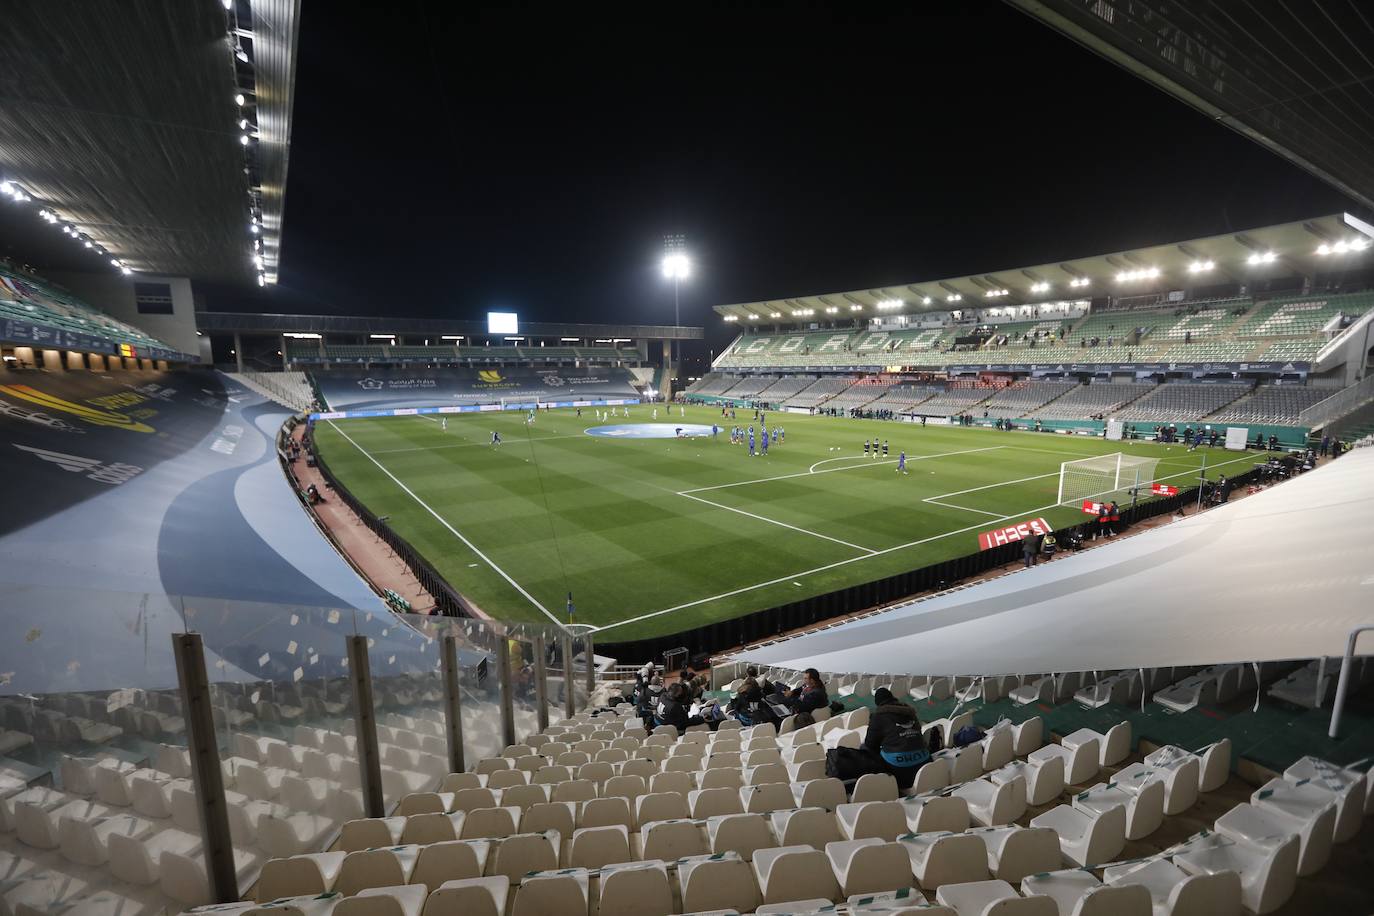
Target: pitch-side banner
(1018,532)
(1163,489)
(1092,508)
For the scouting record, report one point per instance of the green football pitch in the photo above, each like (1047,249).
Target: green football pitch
(659,535)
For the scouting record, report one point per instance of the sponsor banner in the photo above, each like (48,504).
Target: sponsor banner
(463,408)
(1092,508)
(1261,368)
(1163,489)
(392,388)
(1018,532)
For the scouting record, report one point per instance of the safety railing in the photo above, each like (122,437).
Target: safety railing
(1339,404)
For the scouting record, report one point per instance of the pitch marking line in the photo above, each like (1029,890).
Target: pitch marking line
(773,521)
(871,463)
(829,566)
(431,448)
(456,533)
(935,501)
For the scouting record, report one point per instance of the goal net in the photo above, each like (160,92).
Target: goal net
(1106,477)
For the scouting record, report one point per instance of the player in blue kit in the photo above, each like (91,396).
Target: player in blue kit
(765,442)
(751,442)
(901,461)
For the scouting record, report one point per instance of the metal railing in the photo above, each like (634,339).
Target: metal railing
(1339,404)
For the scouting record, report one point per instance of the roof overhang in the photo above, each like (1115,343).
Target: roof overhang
(262,323)
(120,118)
(1295,248)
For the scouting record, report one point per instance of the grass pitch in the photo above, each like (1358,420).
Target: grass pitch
(656,536)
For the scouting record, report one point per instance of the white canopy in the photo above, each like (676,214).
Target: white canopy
(1284,574)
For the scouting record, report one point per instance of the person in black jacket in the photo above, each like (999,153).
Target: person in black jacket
(672,709)
(811,695)
(889,719)
(890,716)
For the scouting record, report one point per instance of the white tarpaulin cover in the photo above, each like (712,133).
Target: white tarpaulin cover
(1284,574)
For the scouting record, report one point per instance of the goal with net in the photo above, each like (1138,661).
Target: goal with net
(1106,477)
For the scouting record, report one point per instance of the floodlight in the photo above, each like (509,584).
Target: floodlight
(261,280)
(1323,249)
(775,314)
(1359,244)
(676,266)
(239,99)
(925,300)
(124,270)
(732,318)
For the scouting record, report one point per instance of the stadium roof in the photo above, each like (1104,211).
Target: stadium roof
(121,119)
(1266,578)
(1253,254)
(1297,78)
(261,323)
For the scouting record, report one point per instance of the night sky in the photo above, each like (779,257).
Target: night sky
(448,159)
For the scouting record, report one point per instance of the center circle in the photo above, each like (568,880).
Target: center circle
(648,430)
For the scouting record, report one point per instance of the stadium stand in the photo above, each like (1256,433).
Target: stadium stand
(290,389)
(27,298)
(748,388)
(901,398)
(1273,404)
(712,384)
(784,388)
(1182,401)
(954,401)
(1025,397)
(820,391)
(1096,399)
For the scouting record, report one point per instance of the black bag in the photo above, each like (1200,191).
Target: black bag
(849,763)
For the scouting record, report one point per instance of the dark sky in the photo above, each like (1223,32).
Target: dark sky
(449,159)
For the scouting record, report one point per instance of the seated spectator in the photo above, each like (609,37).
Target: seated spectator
(672,709)
(750,705)
(811,695)
(695,683)
(894,742)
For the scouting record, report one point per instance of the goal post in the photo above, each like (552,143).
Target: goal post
(1116,476)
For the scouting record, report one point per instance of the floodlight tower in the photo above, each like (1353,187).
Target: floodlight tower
(676,267)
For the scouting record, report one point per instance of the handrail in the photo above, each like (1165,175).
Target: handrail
(1343,684)
(1339,404)
(1346,335)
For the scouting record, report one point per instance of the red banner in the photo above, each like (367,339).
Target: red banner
(1163,489)
(1019,532)
(1091,507)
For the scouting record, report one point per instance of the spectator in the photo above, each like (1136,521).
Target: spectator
(810,695)
(672,709)
(1029,548)
(1048,545)
(694,685)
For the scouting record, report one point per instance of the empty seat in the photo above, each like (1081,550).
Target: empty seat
(483,823)
(1143,801)
(376,868)
(883,820)
(313,873)
(635,889)
(945,858)
(471,799)
(993,898)
(1174,891)
(525,852)
(814,827)
(719,779)
(1044,778)
(1086,838)
(739,833)
(793,873)
(593,847)
(605,812)
(455,781)
(1268,869)
(768,797)
(1081,761)
(672,840)
(711,802)
(661,806)
(384,901)
(553,893)
(1015,852)
(476,896)
(1028,735)
(86,841)
(1079,893)
(1113,747)
(1181,770)
(504,779)
(1281,808)
(137,859)
(453,860)
(723,882)
(1346,786)
(935,813)
(869,866)
(875,787)
(994,803)
(574,790)
(819,793)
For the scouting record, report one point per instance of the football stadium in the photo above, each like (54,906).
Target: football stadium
(505,509)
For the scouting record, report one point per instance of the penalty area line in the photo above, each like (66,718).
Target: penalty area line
(454,531)
(773,521)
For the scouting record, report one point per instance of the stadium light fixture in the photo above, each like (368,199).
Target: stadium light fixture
(954,297)
(775,314)
(125,270)
(925,300)
(855,307)
(382,336)
(676,266)
(516,339)
(832,310)
(1144,273)
(560,340)
(732,318)
(302,335)
(1359,244)
(262,281)
(1261,257)
(1040,287)
(888,305)
(1201,267)
(1079,282)
(239,99)
(454,337)
(752,317)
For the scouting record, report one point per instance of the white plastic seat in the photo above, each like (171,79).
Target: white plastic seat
(312,873)
(1044,778)
(1040,691)
(433,828)
(630,787)
(641,767)
(1174,892)
(553,893)
(1215,764)
(739,833)
(714,883)
(1281,808)
(384,901)
(472,799)
(138,859)
(1144,804)
(454,860)
(1113,747)
(593,847)
(425,803)
(1086,839)
(773,796)
(635,889)
(794,873)
(574,790)
(376,868)
(505,779)
(471,896)
(525,852)
(936,813)
(766,773)
(455,781)
(814,827)
(994,803)
(86,841)
(1181,771)
(1081,762)
(825,793)
(1268,870)
(606,812)
(37,817)
(1015,852)
(945,858)
(1079,893)
(711,802)
(883,820)
(964,763)
(544,776)
(681,783)
(993,898)
(875,787)
(1348,787)
(661,806)
(998,748)
(1028,735)
(371,833)
(673,840)
(869,866)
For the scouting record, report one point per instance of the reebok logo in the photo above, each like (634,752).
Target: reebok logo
(113,473)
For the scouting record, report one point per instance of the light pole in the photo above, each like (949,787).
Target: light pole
(676,267)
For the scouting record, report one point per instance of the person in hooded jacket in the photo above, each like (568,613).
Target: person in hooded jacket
(889,719)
